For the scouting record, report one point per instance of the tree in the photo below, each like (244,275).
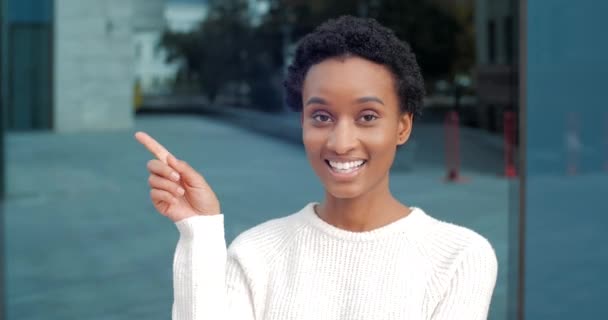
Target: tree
(430,31)
(213,53)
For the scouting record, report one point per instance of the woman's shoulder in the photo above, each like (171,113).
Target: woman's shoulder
(269,237)
(446,242)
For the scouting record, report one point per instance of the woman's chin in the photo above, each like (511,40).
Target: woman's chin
(345,192)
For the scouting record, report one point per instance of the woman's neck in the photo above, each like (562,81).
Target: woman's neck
(369,211)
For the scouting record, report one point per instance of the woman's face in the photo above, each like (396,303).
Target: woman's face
(351,124)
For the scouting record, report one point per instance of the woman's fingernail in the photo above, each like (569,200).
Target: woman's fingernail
(181,191)
(174,176)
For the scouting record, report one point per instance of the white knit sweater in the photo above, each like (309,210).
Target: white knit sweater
(300,267)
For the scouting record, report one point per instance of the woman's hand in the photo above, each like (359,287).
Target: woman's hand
(177,190)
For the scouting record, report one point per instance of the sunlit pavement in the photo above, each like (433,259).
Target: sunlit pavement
(83,240)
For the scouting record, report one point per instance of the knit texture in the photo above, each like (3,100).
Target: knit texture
(300,267)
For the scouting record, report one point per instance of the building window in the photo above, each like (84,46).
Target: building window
(509,45)
(491,42)
(137,50)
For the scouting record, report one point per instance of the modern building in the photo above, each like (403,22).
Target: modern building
(26,35)
(68,65)
(496,60)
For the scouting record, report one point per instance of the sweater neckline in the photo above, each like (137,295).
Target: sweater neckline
(409,225)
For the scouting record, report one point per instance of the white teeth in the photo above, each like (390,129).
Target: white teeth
(346,165)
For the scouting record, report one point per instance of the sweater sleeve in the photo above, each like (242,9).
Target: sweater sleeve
(470,291)
(206,284)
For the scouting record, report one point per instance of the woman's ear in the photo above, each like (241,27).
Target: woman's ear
(406,120)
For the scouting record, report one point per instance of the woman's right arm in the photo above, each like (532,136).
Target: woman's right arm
(207,284)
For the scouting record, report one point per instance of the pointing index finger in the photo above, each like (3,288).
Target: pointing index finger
(153,146)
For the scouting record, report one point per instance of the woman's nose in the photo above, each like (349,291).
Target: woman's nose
(342,138)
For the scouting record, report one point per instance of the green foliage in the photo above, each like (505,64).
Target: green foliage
(212,55)
(430,31)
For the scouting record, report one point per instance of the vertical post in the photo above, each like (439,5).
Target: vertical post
(509,144)
(606,142)
(517,221)
(573,143)
(452,147)
(2,100)
(3,22)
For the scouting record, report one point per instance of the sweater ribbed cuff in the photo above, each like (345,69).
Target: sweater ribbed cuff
(202,225)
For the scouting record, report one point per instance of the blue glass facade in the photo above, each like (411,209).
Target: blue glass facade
(30,11)
(27,64)
(566,153)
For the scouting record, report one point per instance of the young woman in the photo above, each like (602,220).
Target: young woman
(358,254)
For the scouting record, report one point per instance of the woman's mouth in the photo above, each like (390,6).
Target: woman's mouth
(347,169)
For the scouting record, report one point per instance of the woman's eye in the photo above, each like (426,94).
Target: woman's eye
(369,117)
(321,117)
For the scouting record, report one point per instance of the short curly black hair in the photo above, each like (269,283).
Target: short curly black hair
(365,38)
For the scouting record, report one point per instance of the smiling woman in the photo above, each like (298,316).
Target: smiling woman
(358,254)
(352,114)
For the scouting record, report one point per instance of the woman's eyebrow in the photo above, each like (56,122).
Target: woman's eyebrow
(369,99)
(316,100)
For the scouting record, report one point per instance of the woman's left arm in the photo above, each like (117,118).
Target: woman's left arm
(470,291)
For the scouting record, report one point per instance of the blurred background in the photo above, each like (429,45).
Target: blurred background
(82,239)
(79,77)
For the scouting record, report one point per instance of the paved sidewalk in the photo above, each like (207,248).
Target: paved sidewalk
(83,240)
